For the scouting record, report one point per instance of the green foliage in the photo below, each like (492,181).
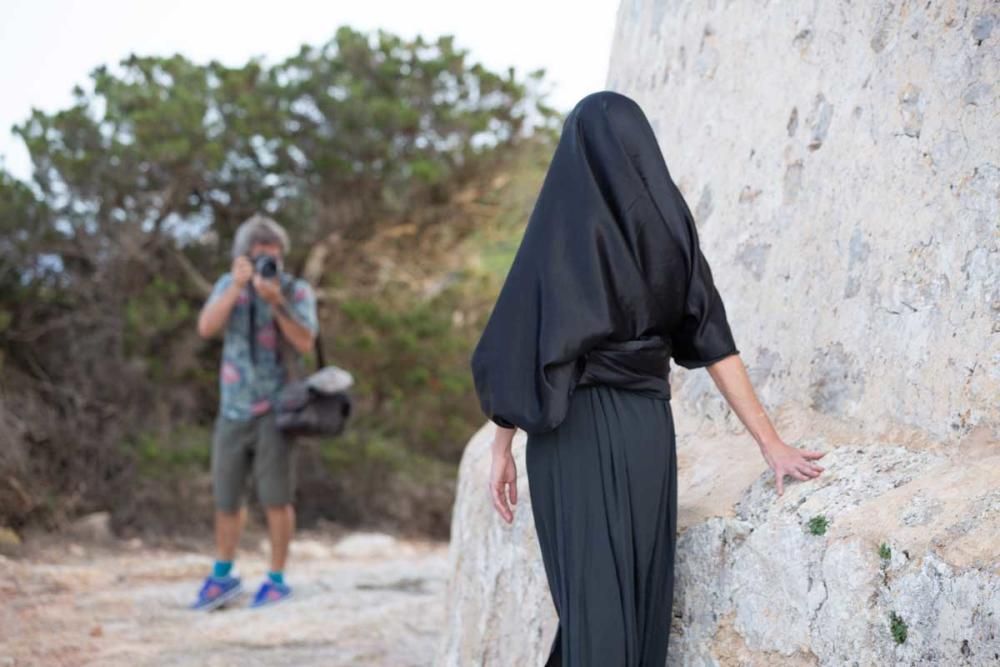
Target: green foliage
(884,552)
(818,525)
(335,137)
(138,186)
(184,450)
(158,309)
(898,627)
(376,451)
(24,221)
(411,364)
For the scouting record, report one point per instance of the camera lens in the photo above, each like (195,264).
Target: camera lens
(266,266)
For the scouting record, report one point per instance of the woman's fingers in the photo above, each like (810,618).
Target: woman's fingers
(808,465)
(500,504)
(503,485)
(499,494)
(808,469)
(794,472)
(502,498)
(800,467)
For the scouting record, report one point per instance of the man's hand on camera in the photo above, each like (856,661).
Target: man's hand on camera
(269,290)
(242,271)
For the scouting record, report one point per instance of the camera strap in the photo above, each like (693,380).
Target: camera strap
(320,358)
(252,309)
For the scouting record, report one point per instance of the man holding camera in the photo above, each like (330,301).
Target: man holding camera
(262,312)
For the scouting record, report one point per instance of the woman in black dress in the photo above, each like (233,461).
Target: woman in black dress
(607,285)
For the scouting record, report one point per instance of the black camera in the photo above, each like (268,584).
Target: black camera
(266,265)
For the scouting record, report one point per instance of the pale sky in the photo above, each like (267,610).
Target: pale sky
(48,46)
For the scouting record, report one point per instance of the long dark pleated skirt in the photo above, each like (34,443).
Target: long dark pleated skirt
(603,489)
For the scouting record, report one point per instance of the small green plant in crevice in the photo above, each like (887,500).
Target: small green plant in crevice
(818,524)
(884,552)
(898,627)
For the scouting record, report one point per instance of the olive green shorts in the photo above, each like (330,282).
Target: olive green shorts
(241,446)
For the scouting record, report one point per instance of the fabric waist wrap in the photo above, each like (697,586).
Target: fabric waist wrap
(638,365)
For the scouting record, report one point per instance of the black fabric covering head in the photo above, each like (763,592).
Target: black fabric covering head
(610,253)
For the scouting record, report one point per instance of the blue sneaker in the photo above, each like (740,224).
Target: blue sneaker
(217,591)
(271,593)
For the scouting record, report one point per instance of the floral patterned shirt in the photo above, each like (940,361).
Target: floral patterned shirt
(248,389)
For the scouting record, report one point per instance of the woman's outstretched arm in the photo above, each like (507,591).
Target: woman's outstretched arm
(730,376)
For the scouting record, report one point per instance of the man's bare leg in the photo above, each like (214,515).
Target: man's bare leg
(228,528)
(280,528)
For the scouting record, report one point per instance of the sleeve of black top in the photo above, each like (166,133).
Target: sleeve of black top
(500,421)
(703,335)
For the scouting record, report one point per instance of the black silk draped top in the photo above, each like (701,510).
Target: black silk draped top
(609,281)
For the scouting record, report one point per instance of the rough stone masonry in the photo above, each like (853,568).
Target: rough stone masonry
(842,160)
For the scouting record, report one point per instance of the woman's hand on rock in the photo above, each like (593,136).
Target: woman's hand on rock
(787,460)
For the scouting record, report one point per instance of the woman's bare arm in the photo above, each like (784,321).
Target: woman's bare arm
(730,376)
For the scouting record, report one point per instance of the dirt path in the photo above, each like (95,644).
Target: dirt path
(362,600)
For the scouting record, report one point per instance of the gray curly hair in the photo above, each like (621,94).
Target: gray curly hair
(259,229)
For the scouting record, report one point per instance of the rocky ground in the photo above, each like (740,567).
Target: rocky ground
(360,599)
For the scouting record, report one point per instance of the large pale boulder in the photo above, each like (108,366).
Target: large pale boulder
(841,160)
(499,609)
(910,545)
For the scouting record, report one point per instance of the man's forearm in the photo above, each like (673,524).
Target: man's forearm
(300,336)
(215,314)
